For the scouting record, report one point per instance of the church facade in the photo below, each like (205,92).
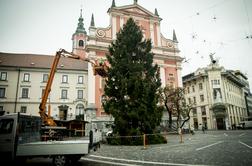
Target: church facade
(95,46)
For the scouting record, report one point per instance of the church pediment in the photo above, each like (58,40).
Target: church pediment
(134,9)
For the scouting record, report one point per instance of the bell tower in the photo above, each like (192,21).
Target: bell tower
(79,38)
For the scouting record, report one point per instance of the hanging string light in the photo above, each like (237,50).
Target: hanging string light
(202,44)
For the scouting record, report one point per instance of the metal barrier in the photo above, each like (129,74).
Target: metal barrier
(145,138)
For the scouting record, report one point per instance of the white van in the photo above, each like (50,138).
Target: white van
(246,124)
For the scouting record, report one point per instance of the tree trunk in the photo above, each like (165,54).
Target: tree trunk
(178,114)
(188,118)
(170,116)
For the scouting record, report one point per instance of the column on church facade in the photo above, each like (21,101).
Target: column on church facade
(91,86)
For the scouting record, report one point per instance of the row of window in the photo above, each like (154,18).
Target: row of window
(203,111)
(202,99)
(230,86)
(197,125)
(26,78)
(25,93)
(64,79)
(3,77)
(23,109)
(215,82)
(79,109)
(64,94)
(193,88)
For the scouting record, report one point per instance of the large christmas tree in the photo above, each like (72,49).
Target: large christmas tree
(133,80)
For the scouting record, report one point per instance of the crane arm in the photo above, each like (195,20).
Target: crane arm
(98,68)
(47,120)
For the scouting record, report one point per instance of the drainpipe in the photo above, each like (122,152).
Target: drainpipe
(15,107)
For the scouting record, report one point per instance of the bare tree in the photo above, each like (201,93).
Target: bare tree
(165,98)
(185,111)
(175,104)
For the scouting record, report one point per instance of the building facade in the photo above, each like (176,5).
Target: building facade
(247,93)
(248,99)
(22,83)
(95,46)
(218,96)
(23,78)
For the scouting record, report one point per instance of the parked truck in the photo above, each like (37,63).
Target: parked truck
(25,136)
(20,139)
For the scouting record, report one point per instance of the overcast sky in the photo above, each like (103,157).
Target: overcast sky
(202,27)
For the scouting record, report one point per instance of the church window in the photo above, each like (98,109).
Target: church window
(81,43)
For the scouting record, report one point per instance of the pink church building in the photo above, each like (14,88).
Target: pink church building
(94,45)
